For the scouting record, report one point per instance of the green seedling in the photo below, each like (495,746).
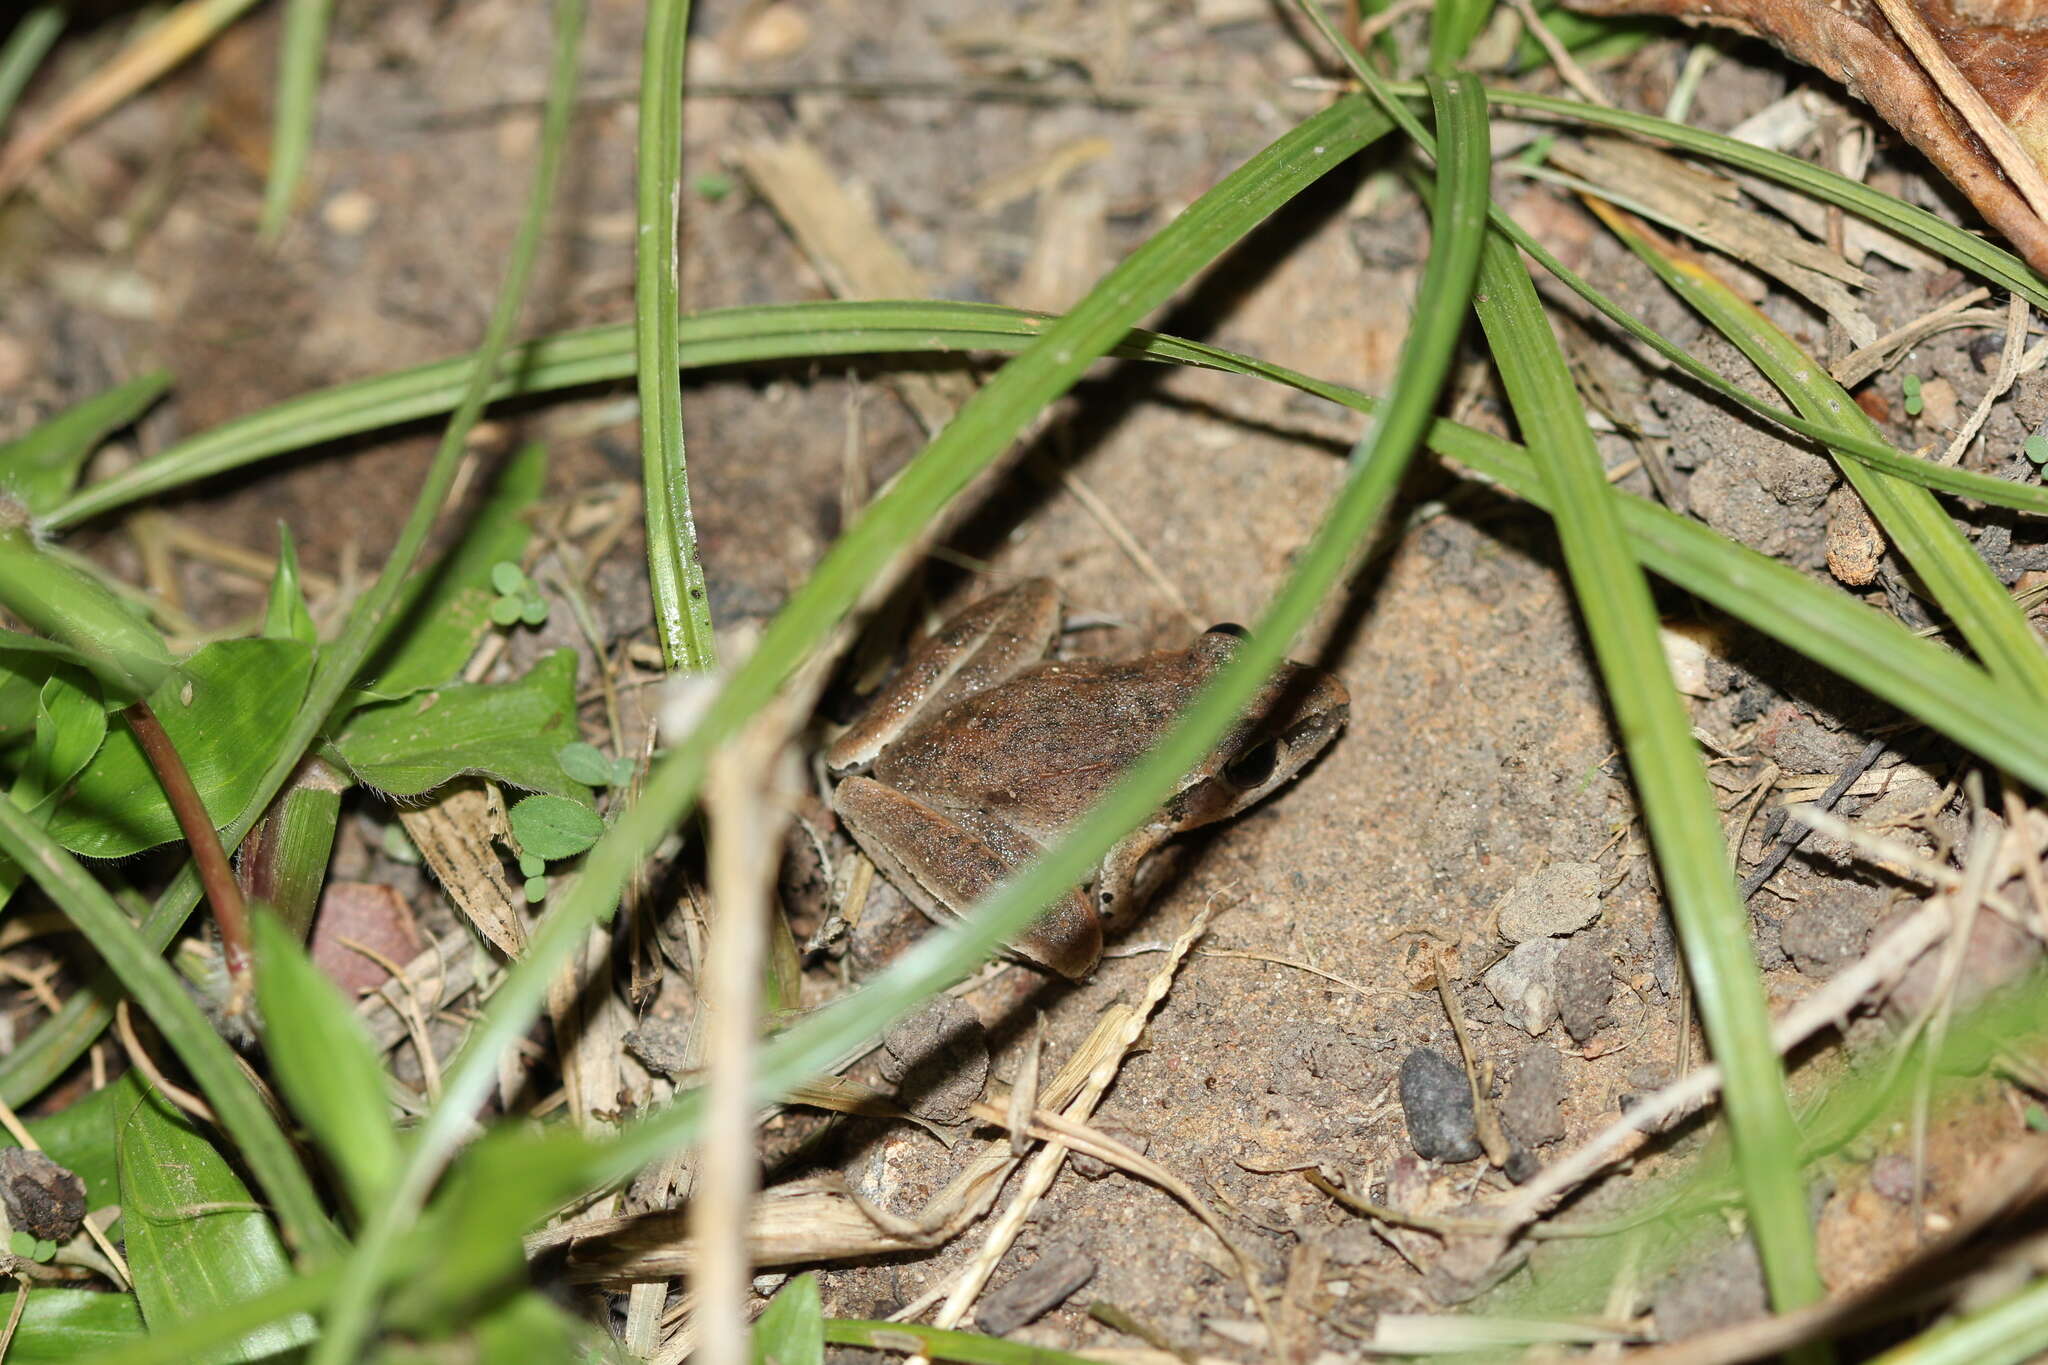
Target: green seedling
(1914,403)
(2036,446)
(588,765)
(712,186)
(549,829)
(519,600)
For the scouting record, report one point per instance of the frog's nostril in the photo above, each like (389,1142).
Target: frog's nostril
(1254,766)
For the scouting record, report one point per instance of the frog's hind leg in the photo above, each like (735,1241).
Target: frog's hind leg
(941,862)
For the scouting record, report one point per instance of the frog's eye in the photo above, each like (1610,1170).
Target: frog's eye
(1254,766)
(1230,628)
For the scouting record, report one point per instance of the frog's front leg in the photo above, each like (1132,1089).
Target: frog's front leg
(946,862)
(983,646)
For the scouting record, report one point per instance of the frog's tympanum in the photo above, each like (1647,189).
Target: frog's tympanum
(981,752)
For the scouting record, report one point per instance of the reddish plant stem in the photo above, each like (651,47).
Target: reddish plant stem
(223,893)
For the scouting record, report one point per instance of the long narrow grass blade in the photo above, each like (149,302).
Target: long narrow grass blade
(1677,803)
(35,33)
(736,336)
(1916,225)
(291,127)
(1956,576)
(682,612)
(2007,1332)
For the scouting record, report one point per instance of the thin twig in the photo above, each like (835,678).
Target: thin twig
(1790,840)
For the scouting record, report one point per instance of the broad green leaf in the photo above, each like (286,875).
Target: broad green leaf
(71,724)
(197,1242)
(323,1062)
(42,467)
(286,617)
(59,1326)
(439,626)
(509,731)
(227,702)
(552,828)
(791,1330)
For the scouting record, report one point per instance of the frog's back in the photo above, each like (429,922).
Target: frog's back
(1039,750)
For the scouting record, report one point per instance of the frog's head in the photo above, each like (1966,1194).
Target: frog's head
(1290,720)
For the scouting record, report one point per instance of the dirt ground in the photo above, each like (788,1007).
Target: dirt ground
(1478,754)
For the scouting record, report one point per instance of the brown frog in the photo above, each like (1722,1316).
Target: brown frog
(982,752)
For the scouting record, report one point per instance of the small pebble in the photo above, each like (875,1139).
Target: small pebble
(1092,1168)
(938,1060)
(1437,1102)
(1525,984)
(1892,1177)
(1585,983)
(1557,900)
(349,214)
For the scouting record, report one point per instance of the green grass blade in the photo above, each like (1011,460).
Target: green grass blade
(942,1344)
(321,1056)
(1677,803)
(975,438)
(188,1341)
(40,467)
(148,978)
(2012,1330)
(1916,225)
(1925,680)
(298,87)
(35,33)
(1956,576)
(682,611)
(735,336)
